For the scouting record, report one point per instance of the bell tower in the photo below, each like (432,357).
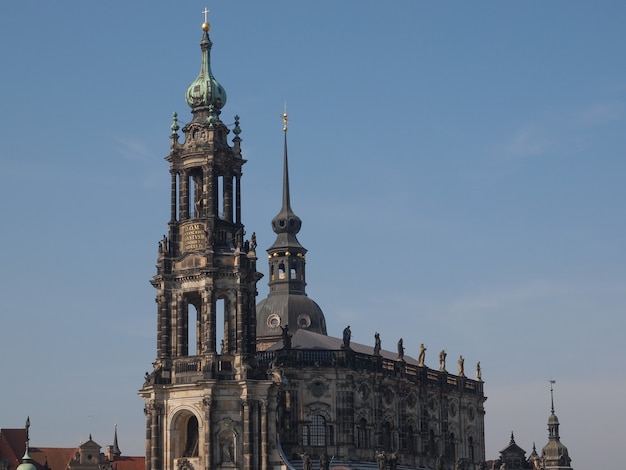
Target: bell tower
(207,404)
(287,307)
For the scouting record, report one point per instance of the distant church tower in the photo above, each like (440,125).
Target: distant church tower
(554,455)
(207,405)
(287,305)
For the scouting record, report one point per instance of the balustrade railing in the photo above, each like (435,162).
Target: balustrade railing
(188,369)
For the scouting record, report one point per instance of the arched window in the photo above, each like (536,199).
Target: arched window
(410,440)
(450,447)
(387,437)
(314,433)
(431,447)
(362,441)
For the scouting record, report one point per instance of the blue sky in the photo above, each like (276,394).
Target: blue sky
(458,166)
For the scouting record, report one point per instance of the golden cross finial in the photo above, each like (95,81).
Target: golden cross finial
(285,119)
(206,12)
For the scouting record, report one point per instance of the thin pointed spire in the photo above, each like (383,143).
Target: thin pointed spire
(286,221)
(552,382)
(286,195)
(116,448)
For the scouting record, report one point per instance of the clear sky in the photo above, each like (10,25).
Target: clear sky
(459,168)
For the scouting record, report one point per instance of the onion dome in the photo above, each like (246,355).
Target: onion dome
(205,92)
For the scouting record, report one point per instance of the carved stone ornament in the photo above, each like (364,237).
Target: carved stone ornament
(184,464)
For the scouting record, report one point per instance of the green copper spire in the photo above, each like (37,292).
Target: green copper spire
(205,91)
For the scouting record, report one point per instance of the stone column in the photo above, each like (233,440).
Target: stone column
(179,307)
(228,198)
(208,434)
(184,195)
(211,320)
(247,461)
(147,411)
(155,437)
(238,199)
(173,200)
(264,431)
(162,330)
(239,322)
(213,210)
(203,314)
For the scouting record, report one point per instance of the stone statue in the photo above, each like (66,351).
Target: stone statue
(347,334)
(253,242)
(286,337)
(503,466)
(422,355)
(535,462)
(439,463)
(324,461)
(393,461)
(197,208)
(400,349)
(306,462)
(376,344)
(461,364)
(381,459)
(442,360)
(479,375)
(226,449)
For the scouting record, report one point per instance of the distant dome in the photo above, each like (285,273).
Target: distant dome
(26,466)
(553,419)
(555,452)
(27,462)
(295,310)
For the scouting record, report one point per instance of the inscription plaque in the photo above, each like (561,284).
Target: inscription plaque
(194,236)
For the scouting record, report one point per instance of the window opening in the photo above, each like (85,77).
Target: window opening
(192,330)
(191,444)
(220,325)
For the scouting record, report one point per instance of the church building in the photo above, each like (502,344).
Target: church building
(554,455)
(277,391)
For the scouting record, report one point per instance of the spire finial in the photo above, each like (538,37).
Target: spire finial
(206,26)
(552,382)
(285,118)
(174,127)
